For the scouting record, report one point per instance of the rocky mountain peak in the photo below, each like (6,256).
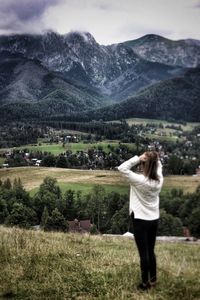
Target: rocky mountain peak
(70,69)
(75,37)
(152,38)
(155,48)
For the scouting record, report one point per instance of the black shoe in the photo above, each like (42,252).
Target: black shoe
(152,284)
(142,286)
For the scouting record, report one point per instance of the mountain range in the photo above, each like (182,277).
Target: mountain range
(64,75)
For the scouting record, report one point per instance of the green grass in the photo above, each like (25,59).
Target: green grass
(87,188)
(188,127)
(38,265)
(162,138)
(2,160)
(74,147)
(84,147)
(32,177)
(169,134)
(52,148)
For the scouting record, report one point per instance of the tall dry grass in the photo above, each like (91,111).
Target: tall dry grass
(39,265)
(32,177)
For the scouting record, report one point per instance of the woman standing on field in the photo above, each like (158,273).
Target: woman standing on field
(144,210)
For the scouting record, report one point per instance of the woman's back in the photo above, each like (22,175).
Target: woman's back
(144,191)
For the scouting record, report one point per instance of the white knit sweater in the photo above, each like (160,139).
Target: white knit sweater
(144,193)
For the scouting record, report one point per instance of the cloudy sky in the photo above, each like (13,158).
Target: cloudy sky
(109,21)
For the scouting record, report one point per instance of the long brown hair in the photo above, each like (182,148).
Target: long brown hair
(150,165)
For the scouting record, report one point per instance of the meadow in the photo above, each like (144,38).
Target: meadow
(2,160)
(57,148)
(186,127)
(32,177)
(163,134)
(39,265)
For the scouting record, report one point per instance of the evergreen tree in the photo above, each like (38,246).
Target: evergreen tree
(43,199)
(7,184)
(56,222)
(49,195)
(20,193)
(49,161)
(120,221)
(44,218)
(3,210)
(81,206)
(8,196)
(175,165)
(50,184)
(96,205)
(93,229)
(169,225)
(194,222)
(61,162)
(21,216)
(191,202)
(69,211)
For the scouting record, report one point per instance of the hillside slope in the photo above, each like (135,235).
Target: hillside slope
(39,265)
(51,75)
(155,48)
(28,88)
(116,70)
(172,99)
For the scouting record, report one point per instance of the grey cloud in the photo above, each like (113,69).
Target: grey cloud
(196,5)
(26,9)
(16,14)
(103,6)
(139,30)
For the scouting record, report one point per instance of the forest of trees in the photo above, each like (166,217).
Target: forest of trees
(108,212)
(17,134)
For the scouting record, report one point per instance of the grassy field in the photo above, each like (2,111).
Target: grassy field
(32,177)
(2,160)
(188,127)
(168,137)
(38,265)
(87,188)
(165,134)
(56,149)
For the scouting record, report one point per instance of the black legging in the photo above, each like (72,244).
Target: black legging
(145,237)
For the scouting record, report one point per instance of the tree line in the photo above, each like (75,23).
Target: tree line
(108,211)
(16,134)
(97,158)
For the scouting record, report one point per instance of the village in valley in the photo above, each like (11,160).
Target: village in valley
(178,148)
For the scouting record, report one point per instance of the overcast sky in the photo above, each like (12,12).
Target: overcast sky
(109,21)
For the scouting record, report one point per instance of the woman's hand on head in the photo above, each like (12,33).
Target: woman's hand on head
(143,157)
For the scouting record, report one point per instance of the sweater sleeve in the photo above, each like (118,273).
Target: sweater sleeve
(159,170)
(125,169)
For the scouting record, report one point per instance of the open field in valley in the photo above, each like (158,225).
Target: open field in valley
(187,127)
(32,177)
(2,160)
(162,134)
(57,148)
